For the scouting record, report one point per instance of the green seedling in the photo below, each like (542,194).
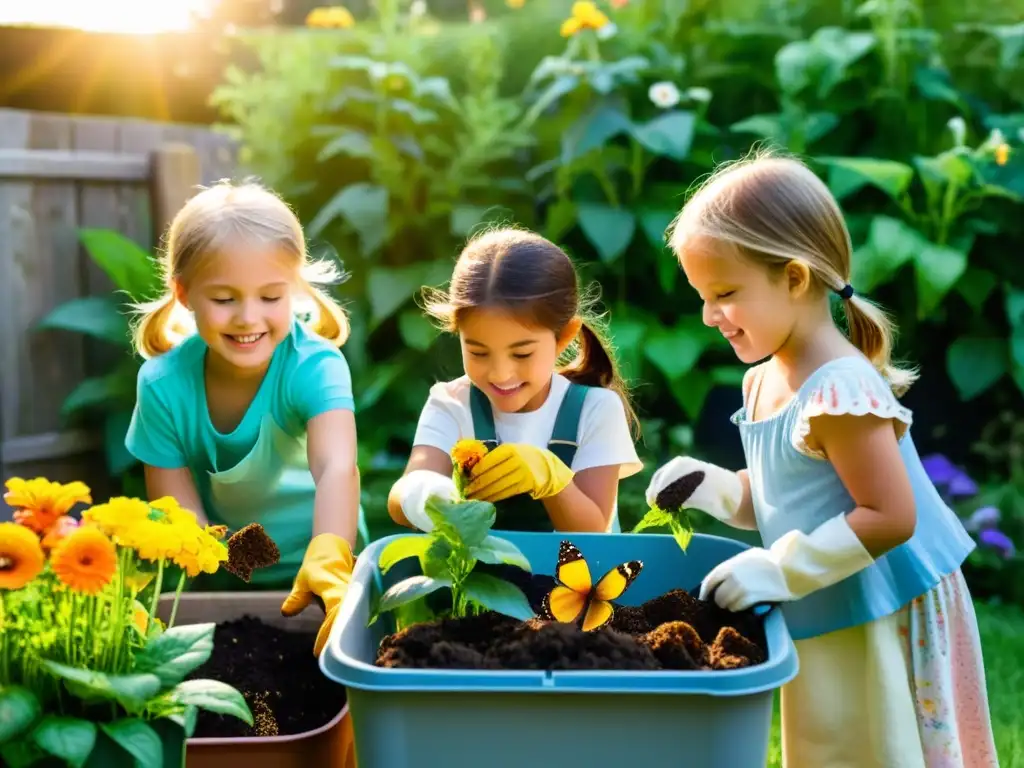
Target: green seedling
(669,509)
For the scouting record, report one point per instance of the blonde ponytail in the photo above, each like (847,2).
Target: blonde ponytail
(331,322)
(159,327)
(872,332)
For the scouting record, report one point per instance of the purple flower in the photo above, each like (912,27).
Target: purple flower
(997,540)
(947,476)
(981,518)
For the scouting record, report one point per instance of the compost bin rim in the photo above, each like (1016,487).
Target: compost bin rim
(215,741)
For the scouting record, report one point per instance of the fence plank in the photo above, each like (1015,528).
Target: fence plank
(93,166)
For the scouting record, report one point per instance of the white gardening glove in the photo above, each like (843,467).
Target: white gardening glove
(719,494)
(416,487)
(793,567)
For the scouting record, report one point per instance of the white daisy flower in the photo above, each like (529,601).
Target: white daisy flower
(664,95)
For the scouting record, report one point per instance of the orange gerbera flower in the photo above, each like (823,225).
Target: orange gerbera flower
(85,561)
(38,503)
(467,453)
(21,556)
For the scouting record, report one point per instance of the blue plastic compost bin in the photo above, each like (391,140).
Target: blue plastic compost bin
(419,718)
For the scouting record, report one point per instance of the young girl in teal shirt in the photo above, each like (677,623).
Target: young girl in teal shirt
(243,413)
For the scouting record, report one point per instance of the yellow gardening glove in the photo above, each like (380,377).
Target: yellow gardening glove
(511,469)
(326,571)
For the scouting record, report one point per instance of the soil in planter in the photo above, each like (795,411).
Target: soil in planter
(276,672)
(672,631)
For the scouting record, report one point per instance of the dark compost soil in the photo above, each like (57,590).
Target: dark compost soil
(278,675)
(673,631)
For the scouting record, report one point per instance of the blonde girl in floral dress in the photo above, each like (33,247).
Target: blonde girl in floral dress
(858,547)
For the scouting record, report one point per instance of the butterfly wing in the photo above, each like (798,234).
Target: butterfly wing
(598,612)
(566,601)
(617,580)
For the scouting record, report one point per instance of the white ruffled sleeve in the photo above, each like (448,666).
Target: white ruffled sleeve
(854,389)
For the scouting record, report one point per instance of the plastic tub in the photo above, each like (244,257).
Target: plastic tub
(329,746)
(417,718)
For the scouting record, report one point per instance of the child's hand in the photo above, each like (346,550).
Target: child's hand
(713,490)
(511,469)
(326,571)
(415,488)
(795,565)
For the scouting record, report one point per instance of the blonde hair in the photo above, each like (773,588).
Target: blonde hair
(773,209)
(217,216)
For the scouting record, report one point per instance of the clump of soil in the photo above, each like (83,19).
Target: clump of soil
(250,548)
(672,631)
(675,495)
(277,673)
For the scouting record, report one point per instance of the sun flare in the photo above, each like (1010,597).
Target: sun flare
(125,16)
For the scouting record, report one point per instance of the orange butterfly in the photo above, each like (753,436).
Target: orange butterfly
(575,594)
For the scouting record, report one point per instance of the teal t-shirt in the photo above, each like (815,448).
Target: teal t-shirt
(171,426)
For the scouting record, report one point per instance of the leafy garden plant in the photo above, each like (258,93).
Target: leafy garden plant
(669,510)
(449,555)
(81,654)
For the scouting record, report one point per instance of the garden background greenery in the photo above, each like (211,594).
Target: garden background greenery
(396,133)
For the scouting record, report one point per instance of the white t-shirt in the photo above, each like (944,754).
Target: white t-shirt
(603,437)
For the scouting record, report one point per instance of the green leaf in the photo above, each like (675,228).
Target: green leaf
(654,518)
(464,217)
(498,595)
(186,719)
(472,519)
(416,330)
(691,391)
(976,286)
(670,134)
(610,230)
(823,60)
(435,561)
(674,351)
(891,243)
(137,739)
(627,335)
(594,129)
(96,316)
(176,652)
(99,391)
(681,532)
(1015,307)
(128,266)
(410,589)
(365,207)
(20,753)
(130,691)
(19,708)
(400,549)
(938,268)
(115,428)
(936,172)
(388,288)
(847,175)
(213,696)
(69,738)
(561,219)
(497,551)
(976,363)
(350,142)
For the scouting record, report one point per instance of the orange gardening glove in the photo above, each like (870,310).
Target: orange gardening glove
(326,572)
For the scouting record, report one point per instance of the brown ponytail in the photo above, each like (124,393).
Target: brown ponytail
(594,366)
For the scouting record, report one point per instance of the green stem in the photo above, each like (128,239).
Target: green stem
(177,599)
(5,672)
(69,638)
(606,185)
(947,218)
(158,583)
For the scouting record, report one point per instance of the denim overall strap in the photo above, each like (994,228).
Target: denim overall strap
(483,418)
(564,435)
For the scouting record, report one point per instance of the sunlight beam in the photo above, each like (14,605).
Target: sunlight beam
(124,16)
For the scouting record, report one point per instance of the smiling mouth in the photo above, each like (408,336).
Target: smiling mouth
(732,335)
(247,340)
(506,391)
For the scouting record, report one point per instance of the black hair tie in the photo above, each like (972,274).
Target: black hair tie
(846,292)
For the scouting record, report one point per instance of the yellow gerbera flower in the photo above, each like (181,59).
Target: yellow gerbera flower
(585,15)
(39,503)
(515,3)
(21,556)
(335,17)
(467,453)
(85,560)
(117,516)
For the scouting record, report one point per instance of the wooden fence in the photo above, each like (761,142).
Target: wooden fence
(58,174)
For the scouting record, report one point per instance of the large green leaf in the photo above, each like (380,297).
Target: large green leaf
(213,696)
(669,134)
(975,363)
(849,174)
(400,549)
(388,288)
(416,330)
(129,267)
(610,230)
(627,336)
(408,590)
(137,739)
(130,691)
(472,519)
(498,595)
(891,243)
(349,142)
(823,60)
(176,652)
(691,391)
(937,269)
(69,738)
(97,316)
(19,708)
(674,351)
(365,207)
(496,551)
(111,390)
(594,129)
(655,222)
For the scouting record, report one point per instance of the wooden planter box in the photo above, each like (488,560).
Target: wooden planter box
(330,746)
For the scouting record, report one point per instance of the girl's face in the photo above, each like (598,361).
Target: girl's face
(753,308)
(242,303)
(509,361)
